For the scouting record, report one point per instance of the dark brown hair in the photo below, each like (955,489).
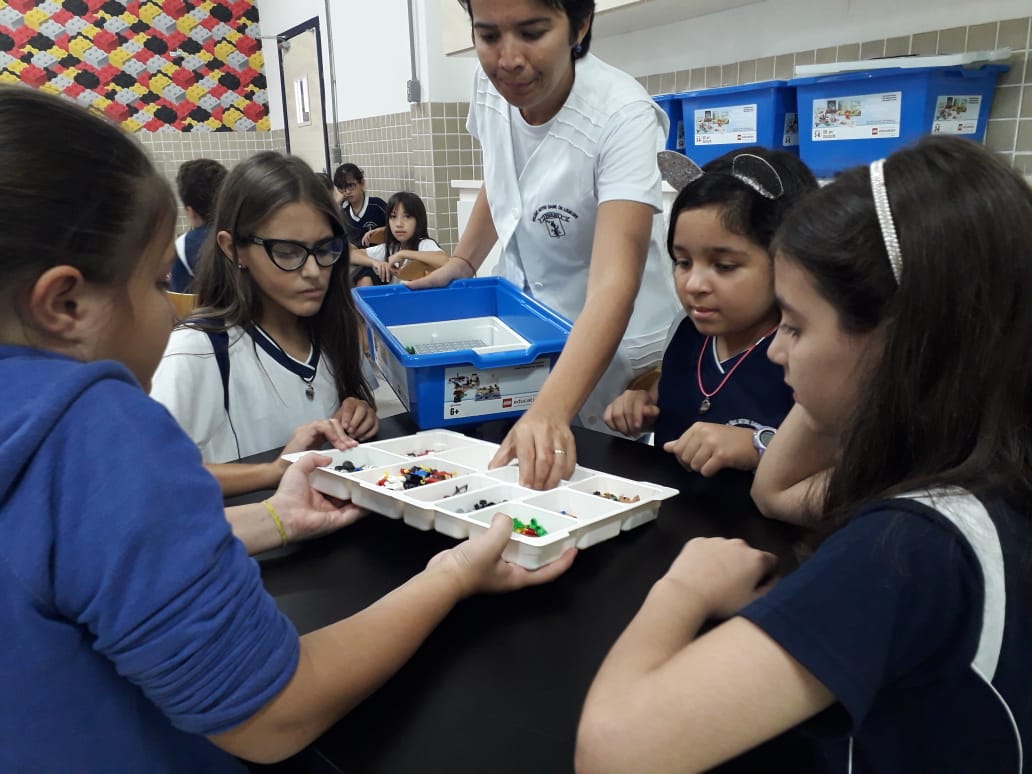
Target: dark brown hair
(577,12)
(949,402)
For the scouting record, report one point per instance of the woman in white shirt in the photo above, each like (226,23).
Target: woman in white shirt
(572,192)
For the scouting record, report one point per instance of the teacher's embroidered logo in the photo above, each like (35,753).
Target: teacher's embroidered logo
(554,217)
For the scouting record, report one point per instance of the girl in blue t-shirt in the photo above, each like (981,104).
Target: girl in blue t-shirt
(718,397)
(903,642)
(134,622)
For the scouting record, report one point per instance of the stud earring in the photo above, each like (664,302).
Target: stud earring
(578,50)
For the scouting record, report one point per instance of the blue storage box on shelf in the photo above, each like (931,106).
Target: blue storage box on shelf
(857,117)
(671,104)
(718,120)
(476,350)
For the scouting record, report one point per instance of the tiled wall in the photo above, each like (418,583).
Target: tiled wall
(422,151)
(1010,122)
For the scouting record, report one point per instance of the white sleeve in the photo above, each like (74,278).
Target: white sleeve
(627,168)
(377,252)
(188,383)
(429,246)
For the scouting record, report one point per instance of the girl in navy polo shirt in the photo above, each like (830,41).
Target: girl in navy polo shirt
(717,390)
(902,644)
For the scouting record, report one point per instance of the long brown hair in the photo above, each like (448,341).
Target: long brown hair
(950,400)
(252,191)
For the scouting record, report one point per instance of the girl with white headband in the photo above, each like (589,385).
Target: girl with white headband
(903,642)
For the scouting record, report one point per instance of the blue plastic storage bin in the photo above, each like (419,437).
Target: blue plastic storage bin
(858,117)
(476,350)
(671,104)
(718,120)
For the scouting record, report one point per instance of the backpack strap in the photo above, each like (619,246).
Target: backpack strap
(220,345)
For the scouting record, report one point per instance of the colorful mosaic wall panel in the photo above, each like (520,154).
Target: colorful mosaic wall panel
(152,65)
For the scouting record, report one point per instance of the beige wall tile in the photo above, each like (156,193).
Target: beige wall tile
(981,37)
(682,80)
(765,69)
(925,43)
(698,78)
(784,66)
(952,41)
(1013,33)
(848,53)
(872,49)
(1000,135)
(1006,102)
(1017,73)
(826,55)
(713,77)
(1026,102)
(1024,140)
(747,71)
(729,74)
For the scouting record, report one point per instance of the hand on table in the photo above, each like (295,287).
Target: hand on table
(632,413)
(725,575)
(708,448)
(544,448)
(382,270)
(358,418)
(306,513)
(478,567)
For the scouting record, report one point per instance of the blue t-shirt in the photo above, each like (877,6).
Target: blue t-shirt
(887,615)
(756,390)
(134,623)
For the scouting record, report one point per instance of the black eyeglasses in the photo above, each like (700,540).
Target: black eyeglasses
(291,256)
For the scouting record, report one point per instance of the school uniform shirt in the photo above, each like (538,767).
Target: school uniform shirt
(134,623)
(756,392)
(372,215)
(379,252)
(921,627)
(267,395)
(544,186)
(188,253)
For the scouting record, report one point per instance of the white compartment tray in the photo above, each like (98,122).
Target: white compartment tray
(585,510)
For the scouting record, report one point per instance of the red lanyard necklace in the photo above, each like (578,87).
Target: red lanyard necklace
(705,405)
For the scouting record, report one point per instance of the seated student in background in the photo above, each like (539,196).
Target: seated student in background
(718,397)
(137,634)
(198,184)
(271,356)
(362,213)
(905,638)
(408,238)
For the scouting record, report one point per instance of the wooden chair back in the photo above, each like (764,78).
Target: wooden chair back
(183,303)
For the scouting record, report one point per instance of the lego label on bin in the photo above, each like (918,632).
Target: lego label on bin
(726,125)
(863,117)
(469,392)
(790,136)
(957,114)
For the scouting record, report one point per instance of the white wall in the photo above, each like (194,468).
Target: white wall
(783,26)
(370,46)
(444,78)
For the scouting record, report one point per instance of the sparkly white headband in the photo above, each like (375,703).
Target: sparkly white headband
(888,228)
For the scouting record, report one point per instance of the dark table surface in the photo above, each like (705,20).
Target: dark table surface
(498,687)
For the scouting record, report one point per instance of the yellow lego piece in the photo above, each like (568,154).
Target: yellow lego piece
(131,125)
(185,23)
(78,47)
(149,12)
(231,116)
(101,102)
(257,61)
(138,89)
(264,125)
(119,57)
(223,50)
(158,82)
(213,123)
(35,18)
(16,67)
(6,76)
(195,92)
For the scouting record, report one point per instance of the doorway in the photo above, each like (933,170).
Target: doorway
(303,91)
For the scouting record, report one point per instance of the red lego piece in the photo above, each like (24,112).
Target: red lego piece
(61,16)
(22,5)
(73,90)
(183,78)
(174,8)
(21,35)
(106,41)
(254,111)
(175,39)
(117,111)
(107,73)
(248,46)
(153,125)
(33,76)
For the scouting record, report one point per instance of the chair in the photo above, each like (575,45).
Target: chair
(378,236)
(183,303)
(414,269)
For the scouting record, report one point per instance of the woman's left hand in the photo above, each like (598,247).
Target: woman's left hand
(358,418)
(708,448)
(306,513)
(543,446)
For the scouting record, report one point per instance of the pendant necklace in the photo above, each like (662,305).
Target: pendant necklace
(306,372)
(705,405)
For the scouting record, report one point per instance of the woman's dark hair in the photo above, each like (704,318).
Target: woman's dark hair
(744,211)
(253,191)
(47,220)
(949,400)
(413,206)
(346,170)
(577,13)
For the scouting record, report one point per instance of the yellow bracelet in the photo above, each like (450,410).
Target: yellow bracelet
(472,268)
(277,521)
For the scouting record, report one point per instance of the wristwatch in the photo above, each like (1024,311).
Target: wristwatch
(761,439)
